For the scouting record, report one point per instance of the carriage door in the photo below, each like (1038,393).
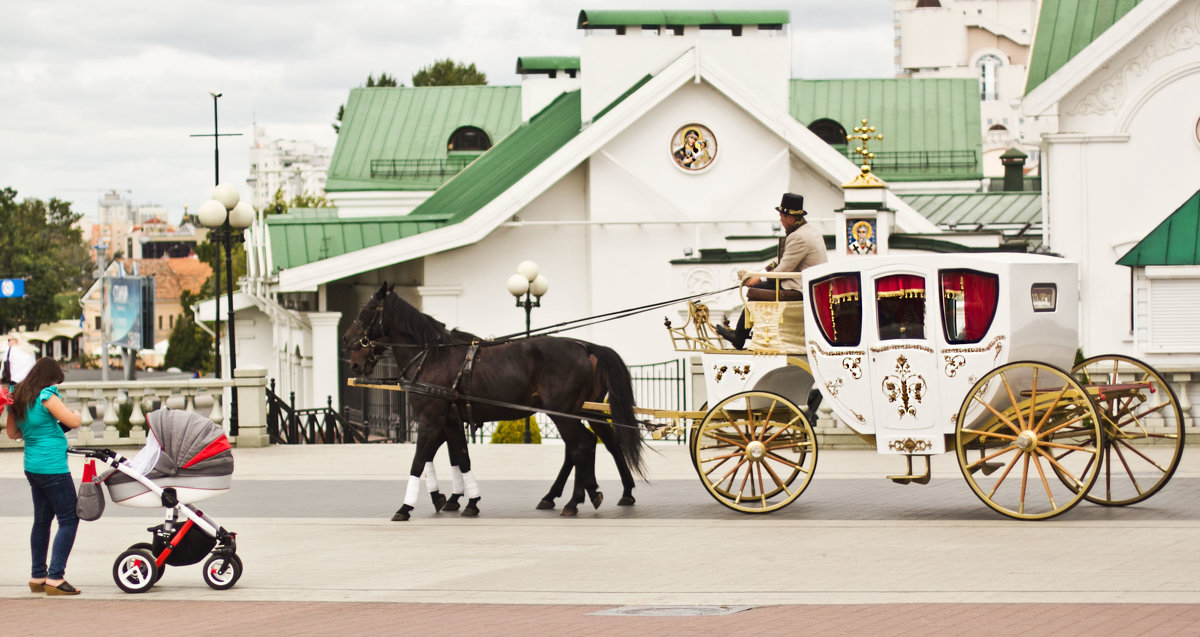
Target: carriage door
(971,347)
(836,355)
(903,364)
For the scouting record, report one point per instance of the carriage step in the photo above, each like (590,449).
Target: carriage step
(910,477)
(988,468)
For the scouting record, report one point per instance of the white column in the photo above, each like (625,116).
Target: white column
(325,343)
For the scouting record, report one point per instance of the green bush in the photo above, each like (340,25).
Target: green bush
(124,411)
(512,432)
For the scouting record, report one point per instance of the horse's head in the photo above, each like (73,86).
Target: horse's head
(362,339)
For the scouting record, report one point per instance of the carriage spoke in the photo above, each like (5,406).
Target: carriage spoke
(1151,461)
(984,459)
(1124,464)
(1037,464)
(1015,405)
(1050,409)
(1063,472)
(1004,419)
(1003,476)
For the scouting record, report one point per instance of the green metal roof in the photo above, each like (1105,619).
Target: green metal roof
(1176,241)
(930,127)
(614,19)
(304,236)
(982,209)
(546,64)
(1066,27)
(405,131)
(507,162)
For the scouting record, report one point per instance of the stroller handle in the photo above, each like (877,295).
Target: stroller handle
(95,452)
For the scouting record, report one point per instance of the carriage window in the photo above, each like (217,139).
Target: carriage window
(968,304)
(900,301)
(838,308)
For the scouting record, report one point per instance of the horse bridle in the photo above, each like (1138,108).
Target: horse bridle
(365,341)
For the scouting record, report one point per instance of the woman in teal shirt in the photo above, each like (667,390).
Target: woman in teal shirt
(35,415)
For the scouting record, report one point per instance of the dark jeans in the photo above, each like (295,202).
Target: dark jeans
(53,496)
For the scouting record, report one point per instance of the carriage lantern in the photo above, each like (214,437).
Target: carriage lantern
(531,285)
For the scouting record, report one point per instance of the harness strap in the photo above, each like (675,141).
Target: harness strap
(462,382)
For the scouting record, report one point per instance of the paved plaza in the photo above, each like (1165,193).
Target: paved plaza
(855,554)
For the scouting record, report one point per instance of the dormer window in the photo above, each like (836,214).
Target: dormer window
(829,131)
(469,138)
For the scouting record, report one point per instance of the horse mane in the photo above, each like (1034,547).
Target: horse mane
(421,327)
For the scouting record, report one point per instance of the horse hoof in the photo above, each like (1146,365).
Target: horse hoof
(597,498)
(471,509)
(545,504)
(402,514)
(439,500)
(452,504)
(626,501)
(569,512)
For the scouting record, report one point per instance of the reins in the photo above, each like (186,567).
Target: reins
(565,326)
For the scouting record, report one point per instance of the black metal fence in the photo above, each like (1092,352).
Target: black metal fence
(413,168)
(287,425)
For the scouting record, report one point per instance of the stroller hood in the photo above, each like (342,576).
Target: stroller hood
(191,444)
(184,450)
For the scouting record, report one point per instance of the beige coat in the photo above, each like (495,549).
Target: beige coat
(802,248)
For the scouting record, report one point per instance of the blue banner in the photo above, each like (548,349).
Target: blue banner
(124,312)
(12,288)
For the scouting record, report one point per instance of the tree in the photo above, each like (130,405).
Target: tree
(189,347)
(42,246)
(447,72)
(384,80)
(279,205)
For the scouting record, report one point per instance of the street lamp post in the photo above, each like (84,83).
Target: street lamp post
(101,250)
(217,135)
(531,285)
(227,216)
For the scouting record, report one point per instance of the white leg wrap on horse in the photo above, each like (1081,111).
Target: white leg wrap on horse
(472,487)
(414,489)
(430,477)
(457,480)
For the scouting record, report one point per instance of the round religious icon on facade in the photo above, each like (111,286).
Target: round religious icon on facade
(861,238)
(693,147)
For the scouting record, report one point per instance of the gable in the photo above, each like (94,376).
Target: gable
(931,127)
(396,138)
(1066,27)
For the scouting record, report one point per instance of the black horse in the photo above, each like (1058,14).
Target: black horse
(544,373)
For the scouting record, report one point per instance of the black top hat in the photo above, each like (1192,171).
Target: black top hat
(792,204)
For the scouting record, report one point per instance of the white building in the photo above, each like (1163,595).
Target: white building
(985,39)
(1123,165)
(296,167)
(576,170)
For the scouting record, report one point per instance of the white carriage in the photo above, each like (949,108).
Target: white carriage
(921,354)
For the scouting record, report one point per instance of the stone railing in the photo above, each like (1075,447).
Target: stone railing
(98,403)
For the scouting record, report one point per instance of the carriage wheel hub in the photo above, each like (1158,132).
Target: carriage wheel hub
(756,451)
(1027,440)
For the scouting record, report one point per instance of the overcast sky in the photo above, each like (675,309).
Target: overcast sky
(103,95)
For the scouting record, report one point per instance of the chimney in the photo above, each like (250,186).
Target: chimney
(1014,170)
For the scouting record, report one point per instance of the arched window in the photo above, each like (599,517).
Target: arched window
(829,131)
(997,128)
(988,65)
(469,138)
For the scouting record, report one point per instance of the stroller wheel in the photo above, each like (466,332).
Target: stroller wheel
(222,572)
(150,547)
(135,570)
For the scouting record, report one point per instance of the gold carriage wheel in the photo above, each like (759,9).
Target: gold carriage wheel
(1143,428)
(1021,425)
(755,452)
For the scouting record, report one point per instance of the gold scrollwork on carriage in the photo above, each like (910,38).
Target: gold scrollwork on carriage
(695,334)
(954,359)
(832,386)
(910,445)
(853,364)
(905,386)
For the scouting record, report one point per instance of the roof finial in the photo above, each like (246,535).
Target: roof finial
(864,133)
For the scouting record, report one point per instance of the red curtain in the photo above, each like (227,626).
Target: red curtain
(828,293)
(903,285)
(979,291)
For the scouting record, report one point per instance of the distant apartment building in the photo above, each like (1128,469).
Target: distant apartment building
(986,39)
(295,167)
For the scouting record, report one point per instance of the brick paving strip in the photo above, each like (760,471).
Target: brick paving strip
(35,616)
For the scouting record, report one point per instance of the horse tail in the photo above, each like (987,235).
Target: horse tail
(619,384)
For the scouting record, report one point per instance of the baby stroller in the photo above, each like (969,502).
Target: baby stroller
(187,458)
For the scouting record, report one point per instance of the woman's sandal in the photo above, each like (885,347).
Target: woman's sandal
(37,587)
(62,589)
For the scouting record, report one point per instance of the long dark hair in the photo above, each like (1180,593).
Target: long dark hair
(45,372)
